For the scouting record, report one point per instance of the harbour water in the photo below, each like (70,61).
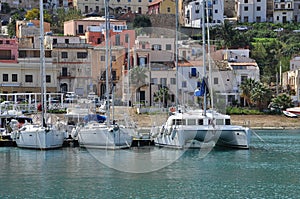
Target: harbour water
(270,169)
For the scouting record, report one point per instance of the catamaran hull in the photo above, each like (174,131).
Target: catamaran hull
(40,139)
(205,138)
(105,138)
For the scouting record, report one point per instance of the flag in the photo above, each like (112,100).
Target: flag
(200,92)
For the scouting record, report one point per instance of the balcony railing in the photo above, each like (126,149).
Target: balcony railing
(65,76)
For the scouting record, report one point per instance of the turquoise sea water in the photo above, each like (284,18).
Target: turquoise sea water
(270,169)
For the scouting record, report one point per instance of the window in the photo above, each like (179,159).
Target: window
(168,9)
(216,80)
(154,80)
(244,78)
(156,47)
(168,47)
(86,9)
(140,10)
(97,8)
(81,55)
(1,41)
(129,1)
(5,77)
(54,42)
(246,8)
(80,29)
(48,78)
(193,72)
(126,38)
(140,1)
(143,46)
(67,41)
(113,58)
(14,77)
(117,38)
(163,81)
(216,11)
(246,1)
(64,54)
(184,84)
(28,78)
(64,71)
(173,81)
(258,8)
(258,1)
(102,58)
(7,42)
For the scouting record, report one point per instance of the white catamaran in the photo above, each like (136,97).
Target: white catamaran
(200,128)
(41,135)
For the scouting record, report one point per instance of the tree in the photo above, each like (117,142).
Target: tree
(247,86)
(138,78)
(260,95)
(282,101)
(12,26)
(162,96)
(142,21)
(63,16)
(35,14)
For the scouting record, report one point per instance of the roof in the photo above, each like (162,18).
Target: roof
(155,2)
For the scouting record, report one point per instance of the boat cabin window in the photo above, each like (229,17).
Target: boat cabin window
(178,122)
(219,122)
(227,121)
(191,122)
(200,122)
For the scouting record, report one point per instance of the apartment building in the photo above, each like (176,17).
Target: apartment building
(115,6)
(283,11)
(194,9)
(162,7)
(81,26)
(72,61)
(252,11)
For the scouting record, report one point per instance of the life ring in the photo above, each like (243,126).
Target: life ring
(172,109)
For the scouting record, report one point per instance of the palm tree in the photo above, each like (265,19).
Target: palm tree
(162,95)
(247,86)
(260,95)
(282,101)
(138,78)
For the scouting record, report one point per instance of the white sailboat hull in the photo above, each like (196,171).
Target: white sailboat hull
(37,137)
(96,135)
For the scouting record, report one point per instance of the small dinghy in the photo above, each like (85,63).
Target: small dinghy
(289,114)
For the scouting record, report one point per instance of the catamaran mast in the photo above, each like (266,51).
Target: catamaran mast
(106,60)
(204,54)
(42,66)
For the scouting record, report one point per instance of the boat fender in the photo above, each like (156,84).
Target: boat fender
(162,129)
(116,128)
(170,130)
(173,134)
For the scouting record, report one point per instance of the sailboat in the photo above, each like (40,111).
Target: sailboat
(42,135)
(201,128)
(104,134)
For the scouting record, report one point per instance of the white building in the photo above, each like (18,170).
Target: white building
(252,10)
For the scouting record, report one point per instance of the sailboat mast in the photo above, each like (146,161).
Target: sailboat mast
(106,60)
(176,54)
(204,54)
(209,60)
(42,66)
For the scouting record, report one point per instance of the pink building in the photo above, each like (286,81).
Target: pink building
(8,50)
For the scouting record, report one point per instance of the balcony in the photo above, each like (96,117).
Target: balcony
(65,76)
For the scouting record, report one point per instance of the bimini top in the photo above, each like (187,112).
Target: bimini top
(94,117)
